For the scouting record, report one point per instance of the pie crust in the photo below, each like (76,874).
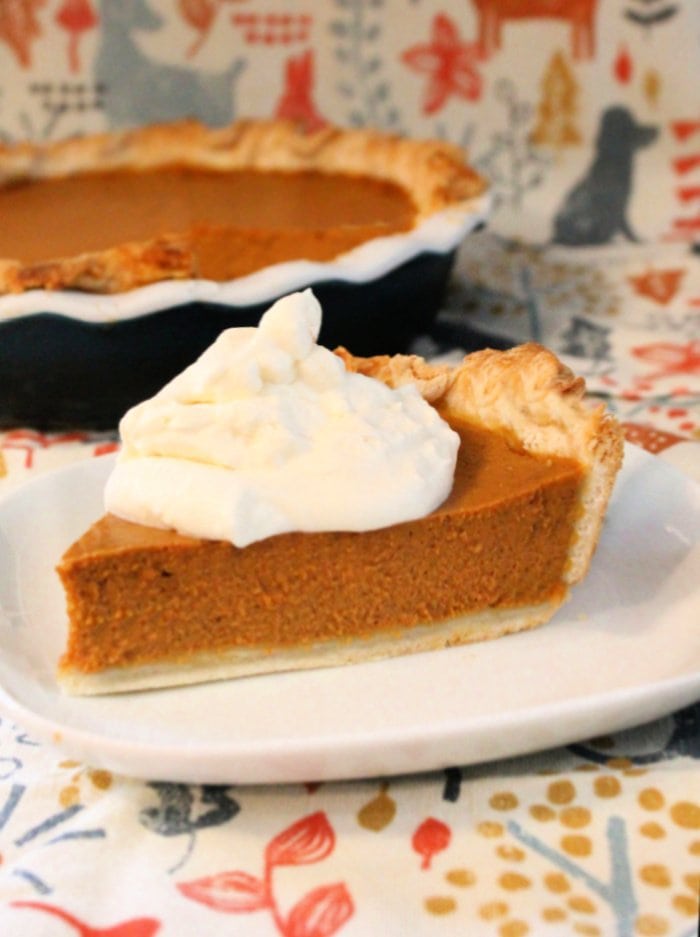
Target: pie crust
(433,173)
(525,396)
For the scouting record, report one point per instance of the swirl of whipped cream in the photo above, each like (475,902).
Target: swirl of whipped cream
(268,433)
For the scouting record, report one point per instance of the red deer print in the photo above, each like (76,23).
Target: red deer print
(579,13)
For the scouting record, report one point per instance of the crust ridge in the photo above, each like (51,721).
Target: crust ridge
(528,395)
(434,172)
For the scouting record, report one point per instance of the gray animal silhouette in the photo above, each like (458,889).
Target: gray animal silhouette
(683,742)
(137,90)
(175,814)
(595,210)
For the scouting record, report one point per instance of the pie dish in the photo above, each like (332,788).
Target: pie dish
(152,608)
(373,222)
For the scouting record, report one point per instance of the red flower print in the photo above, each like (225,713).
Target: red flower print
(319,913)
(670,358)
(448,62)
(432,836)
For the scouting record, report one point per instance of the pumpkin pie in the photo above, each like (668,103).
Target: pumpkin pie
(114,211)
(535,468)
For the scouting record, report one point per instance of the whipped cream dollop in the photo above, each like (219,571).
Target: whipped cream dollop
(267,432)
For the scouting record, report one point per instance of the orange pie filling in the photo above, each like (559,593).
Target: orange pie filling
(226,224)
(183,200)
(138,595)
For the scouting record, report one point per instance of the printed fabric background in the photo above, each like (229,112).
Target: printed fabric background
(585,116)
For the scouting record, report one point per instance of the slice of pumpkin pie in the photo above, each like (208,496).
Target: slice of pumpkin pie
(280,506)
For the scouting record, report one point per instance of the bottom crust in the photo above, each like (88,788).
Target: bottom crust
(207,667)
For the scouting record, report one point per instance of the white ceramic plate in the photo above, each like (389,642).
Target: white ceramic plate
(625,650)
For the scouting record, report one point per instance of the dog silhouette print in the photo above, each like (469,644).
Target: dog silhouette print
(595,210)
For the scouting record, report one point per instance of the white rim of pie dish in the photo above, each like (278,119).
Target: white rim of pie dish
(438,234)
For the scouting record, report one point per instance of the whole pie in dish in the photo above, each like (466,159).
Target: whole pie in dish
(149,607)
(111,212)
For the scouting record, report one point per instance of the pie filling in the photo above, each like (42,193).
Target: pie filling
(138,595)
(233,222)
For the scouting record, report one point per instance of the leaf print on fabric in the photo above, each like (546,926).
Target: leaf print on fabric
(378,812)
(229,891)
(309,840)
(624,66)
(319,913)
(357,32)
(49,831)
(136,927)
(512,162)
(450,64)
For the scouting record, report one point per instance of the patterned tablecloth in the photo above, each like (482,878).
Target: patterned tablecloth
(592,144)
(601,837)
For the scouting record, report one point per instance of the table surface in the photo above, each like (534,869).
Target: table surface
(599,837)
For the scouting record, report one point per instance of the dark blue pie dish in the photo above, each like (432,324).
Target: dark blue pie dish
(80,360)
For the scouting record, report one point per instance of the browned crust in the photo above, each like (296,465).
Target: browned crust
(533,399)
(434,172)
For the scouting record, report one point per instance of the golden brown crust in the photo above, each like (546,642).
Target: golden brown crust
(109,271)
(533,399)
(434,172)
